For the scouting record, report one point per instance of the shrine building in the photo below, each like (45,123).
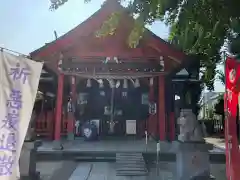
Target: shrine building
(125,91)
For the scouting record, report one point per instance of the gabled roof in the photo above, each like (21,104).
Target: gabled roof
(83,34)
(94,23)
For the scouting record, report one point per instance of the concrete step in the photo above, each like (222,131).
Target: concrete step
(132,169)
(130,164)
(131,173)
(95,159)
(130,160)
(129,155)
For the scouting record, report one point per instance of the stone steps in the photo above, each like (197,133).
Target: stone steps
(130,164)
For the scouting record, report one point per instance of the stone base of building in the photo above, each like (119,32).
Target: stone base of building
(192,159)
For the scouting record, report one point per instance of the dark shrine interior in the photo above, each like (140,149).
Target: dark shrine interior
(128,103)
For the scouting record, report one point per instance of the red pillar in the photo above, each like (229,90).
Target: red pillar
(58,115)
(230,107)
(71,119)
(161,108)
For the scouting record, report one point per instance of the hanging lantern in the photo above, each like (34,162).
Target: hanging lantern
(118,84)
(89,83)
(125,86)
(100,82)
(137,83)
(161,62)
(101,85)
(151,81)
(73,80)
(111,83)
(116,59)
(106,60)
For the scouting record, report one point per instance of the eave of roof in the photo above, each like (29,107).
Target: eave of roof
(94,22)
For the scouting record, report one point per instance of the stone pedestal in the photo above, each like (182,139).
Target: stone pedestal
(192,160)
(27,161)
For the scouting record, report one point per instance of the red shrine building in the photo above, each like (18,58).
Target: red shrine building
(125,91)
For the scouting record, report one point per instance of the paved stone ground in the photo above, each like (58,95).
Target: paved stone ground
(125,145)
(47,169)
(219,171)
(106,171)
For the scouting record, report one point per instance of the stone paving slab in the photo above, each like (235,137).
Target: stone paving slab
(47,168)
(101,171)
(219,171)
(82,172)
(67,169)
(106,171)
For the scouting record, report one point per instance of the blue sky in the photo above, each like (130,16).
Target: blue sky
(28,24)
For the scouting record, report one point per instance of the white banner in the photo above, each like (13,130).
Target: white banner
(19,79)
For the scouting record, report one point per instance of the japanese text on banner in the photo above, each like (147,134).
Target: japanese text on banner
(9,125)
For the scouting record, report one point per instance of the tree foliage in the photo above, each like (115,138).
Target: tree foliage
(198,27)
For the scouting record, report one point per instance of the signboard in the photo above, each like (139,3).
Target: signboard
(152,108)
(145,98)
(232,73)
(131,127)
(19,79)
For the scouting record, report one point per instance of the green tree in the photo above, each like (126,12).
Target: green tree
(221,77)
(198,27)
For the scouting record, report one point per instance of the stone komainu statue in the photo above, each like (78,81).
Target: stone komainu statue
(190,129)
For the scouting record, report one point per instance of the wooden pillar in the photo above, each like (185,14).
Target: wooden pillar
(58,115)
(70,115)
(161,108)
